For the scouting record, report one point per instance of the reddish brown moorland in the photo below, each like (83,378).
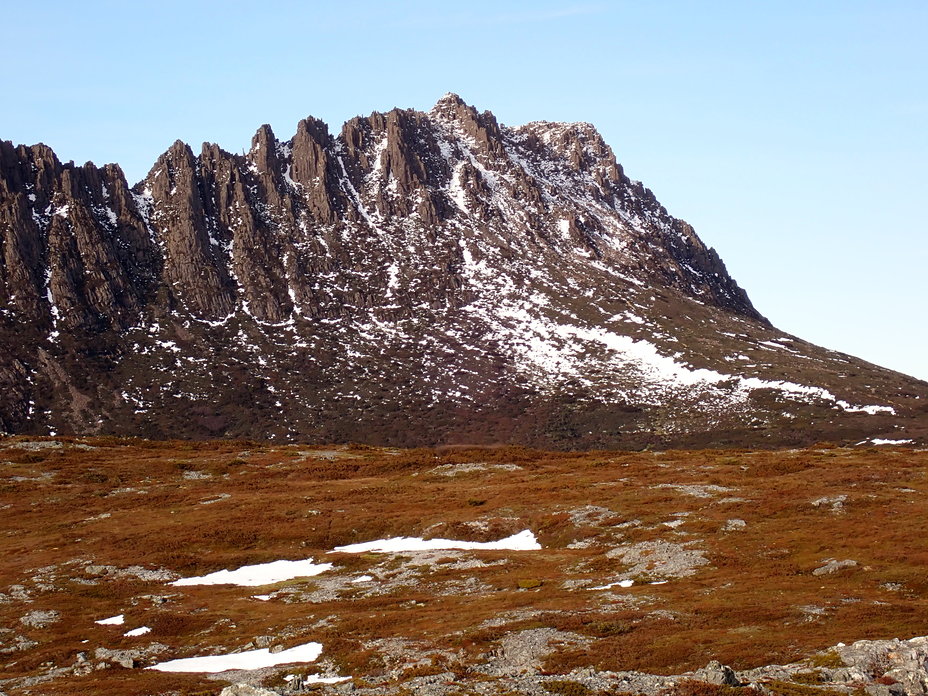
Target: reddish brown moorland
(733,537)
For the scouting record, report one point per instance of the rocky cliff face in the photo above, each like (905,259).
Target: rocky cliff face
(417,278)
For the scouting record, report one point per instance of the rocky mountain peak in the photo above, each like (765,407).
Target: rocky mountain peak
(449,99)
(580,144)
(488,282)
(264,137)
(482,128)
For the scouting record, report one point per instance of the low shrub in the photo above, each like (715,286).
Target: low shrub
(829,659)
(694,687)
(782,688)
(812,677)
(564,687)
(422,670)
(530,583)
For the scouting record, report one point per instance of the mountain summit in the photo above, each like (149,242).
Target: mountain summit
(418,278)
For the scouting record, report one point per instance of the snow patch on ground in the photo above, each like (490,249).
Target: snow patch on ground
(869,410)
(316,679)
(523,541)
(619,583)
(552,348)
(248,660)
(260,574)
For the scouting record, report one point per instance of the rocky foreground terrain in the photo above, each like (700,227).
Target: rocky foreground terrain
(418,278)
(460,571)
(877,668)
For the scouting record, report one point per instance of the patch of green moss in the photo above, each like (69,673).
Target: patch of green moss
(782,688)
(811,677)
(564,687)
(829,659)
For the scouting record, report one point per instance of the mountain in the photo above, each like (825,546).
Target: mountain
(419,278)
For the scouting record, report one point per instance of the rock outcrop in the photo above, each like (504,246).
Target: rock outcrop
(417,278)
(876,668)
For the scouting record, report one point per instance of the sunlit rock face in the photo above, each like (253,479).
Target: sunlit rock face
(418,278)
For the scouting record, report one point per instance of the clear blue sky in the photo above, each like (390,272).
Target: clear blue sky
(792,135)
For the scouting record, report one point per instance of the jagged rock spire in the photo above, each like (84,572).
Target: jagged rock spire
(473,277)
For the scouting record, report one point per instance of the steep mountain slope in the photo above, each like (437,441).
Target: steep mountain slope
(419,278)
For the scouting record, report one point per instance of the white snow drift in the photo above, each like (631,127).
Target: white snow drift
(260,574)
(619,583)
(523,541)
(251,659)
